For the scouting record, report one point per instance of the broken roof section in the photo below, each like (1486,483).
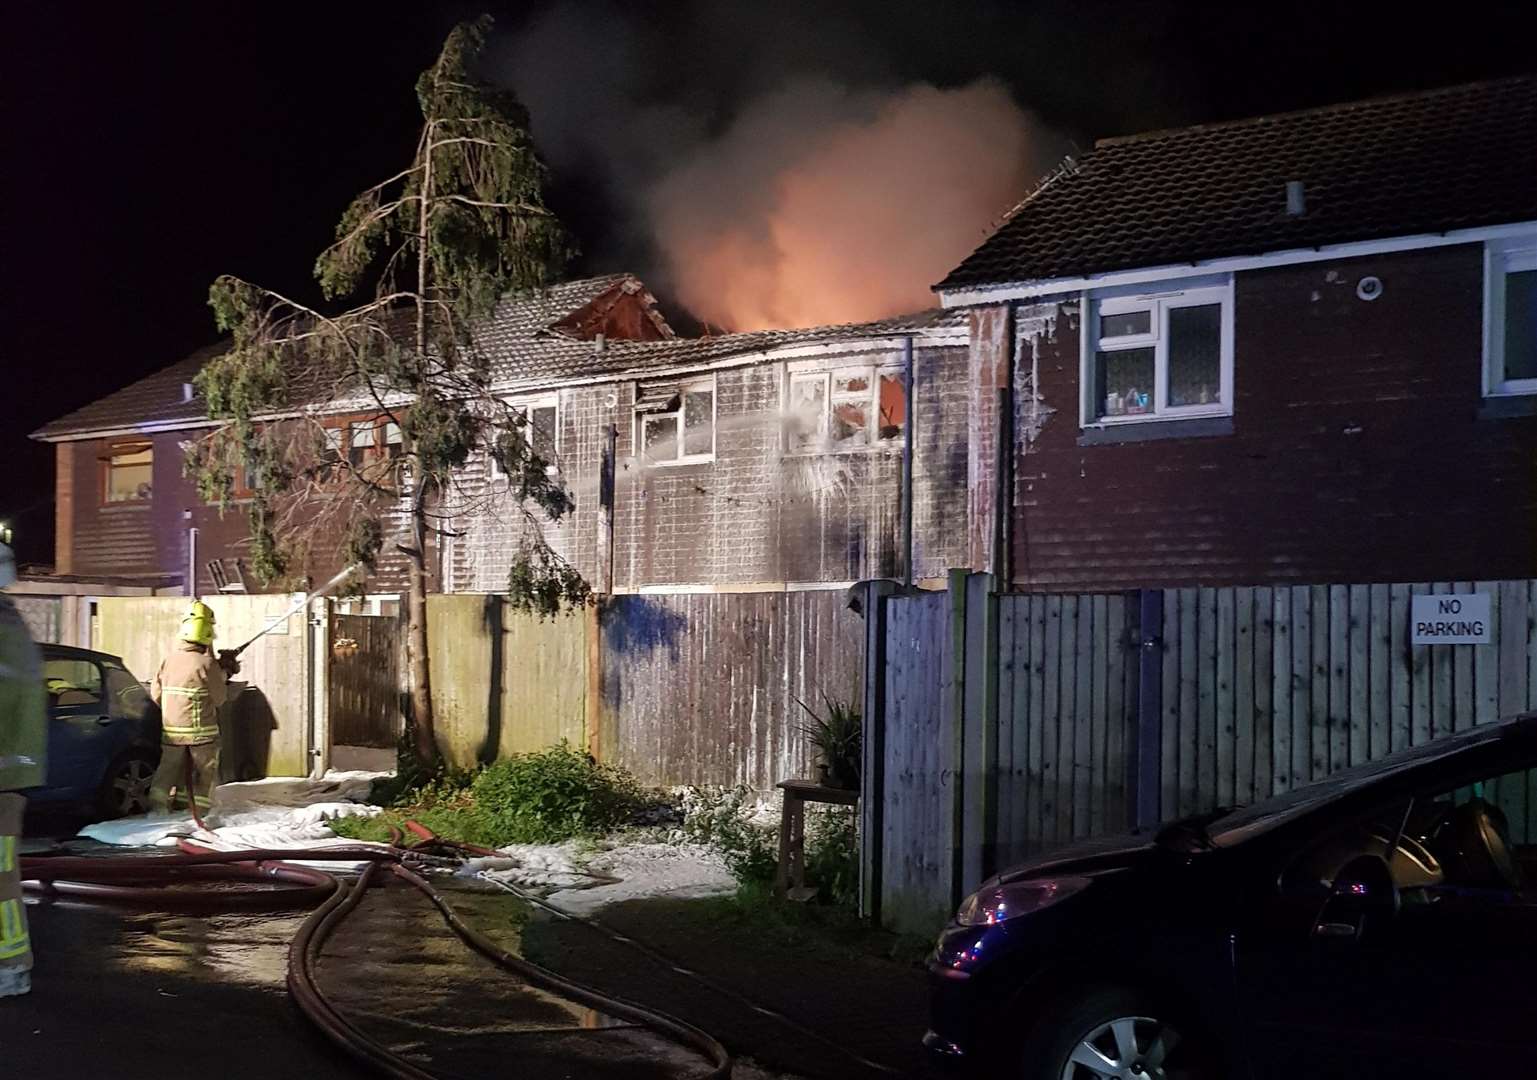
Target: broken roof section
(532,342)
(527,334)
(1454,158)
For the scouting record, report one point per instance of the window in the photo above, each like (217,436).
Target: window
(362,438)
(542,433)
(129,472)
(128,694)
(675,422)
(1160,357)
(72,683)
(394,441)
(1510,317)
(846,408)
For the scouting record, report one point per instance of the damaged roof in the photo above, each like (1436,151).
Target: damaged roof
(537,341)
(1453,158)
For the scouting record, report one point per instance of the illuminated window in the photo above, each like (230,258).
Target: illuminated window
(1161,356)
(845,408)
(675,422)
(541,430)
(129,472)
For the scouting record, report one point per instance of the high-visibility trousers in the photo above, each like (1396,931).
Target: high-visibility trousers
(172,773)
(15,944)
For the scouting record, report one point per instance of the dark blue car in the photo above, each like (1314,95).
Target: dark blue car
(103,735)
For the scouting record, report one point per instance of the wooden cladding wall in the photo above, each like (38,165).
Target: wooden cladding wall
(363,681)
(701,688)
(1266,689)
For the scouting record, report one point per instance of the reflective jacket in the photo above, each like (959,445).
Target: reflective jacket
(23,703)
(189,688)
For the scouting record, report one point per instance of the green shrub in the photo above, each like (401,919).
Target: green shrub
(832,855)
(553,795)
(728,821)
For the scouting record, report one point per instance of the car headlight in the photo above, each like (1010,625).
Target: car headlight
(1000,903)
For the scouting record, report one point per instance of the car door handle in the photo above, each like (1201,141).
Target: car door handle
(1336,930)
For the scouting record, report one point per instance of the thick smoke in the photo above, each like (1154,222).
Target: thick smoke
(822,204)
(795,192)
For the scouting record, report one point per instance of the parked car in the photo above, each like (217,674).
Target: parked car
(103,735)
(1382,922)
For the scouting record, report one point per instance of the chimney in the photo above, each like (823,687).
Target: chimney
(1296,199)
(186,391)
(598,342)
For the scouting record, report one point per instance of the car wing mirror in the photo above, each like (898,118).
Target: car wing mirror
(1362,901)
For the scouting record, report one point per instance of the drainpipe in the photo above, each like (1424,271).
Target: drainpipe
(192,561)
(907,462)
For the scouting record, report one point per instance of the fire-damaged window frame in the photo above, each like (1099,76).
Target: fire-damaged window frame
(662,400)
(551,453)
(1501,259)
(127,448)
(877,437)
(383,441)
(1205,291)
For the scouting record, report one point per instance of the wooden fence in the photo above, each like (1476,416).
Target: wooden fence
(363,685)
(1055,718)
(703,688)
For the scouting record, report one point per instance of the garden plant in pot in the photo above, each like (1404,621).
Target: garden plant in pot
(835,733)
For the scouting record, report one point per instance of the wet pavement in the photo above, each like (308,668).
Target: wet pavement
(129,994)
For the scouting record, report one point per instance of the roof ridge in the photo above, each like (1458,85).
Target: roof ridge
(1338,106)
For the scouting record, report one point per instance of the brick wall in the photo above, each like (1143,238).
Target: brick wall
(1359,451)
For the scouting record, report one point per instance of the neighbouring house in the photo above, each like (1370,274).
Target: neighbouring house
(1296,348)
(125,509)
(740,462)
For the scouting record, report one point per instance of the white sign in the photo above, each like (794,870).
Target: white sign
(1462,619)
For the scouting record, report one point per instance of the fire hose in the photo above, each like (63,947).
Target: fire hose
(144,880)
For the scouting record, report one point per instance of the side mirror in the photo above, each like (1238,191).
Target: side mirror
(1361,903)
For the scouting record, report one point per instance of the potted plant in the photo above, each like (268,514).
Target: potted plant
(837,737)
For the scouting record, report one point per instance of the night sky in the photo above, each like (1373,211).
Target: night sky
(151,147)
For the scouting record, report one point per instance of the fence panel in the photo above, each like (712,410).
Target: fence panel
(706,688)
(920,767)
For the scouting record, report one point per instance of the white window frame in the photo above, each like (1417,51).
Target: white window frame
(1503,257)
(526,406)
(875,370)
(685,387)
(1158,304)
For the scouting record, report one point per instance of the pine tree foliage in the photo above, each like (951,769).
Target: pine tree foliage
(421,257)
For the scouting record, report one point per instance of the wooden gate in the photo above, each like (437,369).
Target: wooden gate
(364,691)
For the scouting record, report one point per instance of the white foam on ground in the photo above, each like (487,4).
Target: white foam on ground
(576,878)
(278,813)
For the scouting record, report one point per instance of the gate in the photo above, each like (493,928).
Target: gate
(363,694)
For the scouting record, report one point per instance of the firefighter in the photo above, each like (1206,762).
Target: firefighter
(23,742)
(190,687)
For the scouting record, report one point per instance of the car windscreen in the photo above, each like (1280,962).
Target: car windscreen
(1250,821)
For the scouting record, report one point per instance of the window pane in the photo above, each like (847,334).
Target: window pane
(362,439)
(699,422)
(1125,382)
(852,382)
(849,423)
(394,440)
(808,409)
(130,476)
(1195,355)
(72,682)
(1126,324)
(893,404)
(661,439)
(543,435)
(1521,325)
(127,693)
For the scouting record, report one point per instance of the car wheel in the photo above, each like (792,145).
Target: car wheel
(1115,1035)
(125,790)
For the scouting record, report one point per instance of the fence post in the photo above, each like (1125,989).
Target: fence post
(1146,764)
(872,809)
(979,835)
(318,626)
(957,666)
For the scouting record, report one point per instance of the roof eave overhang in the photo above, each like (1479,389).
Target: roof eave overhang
(1001,292)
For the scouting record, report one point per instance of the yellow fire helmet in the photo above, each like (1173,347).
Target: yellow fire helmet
(197,624)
